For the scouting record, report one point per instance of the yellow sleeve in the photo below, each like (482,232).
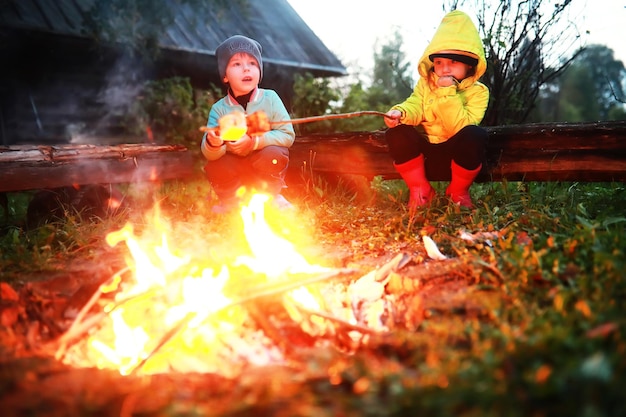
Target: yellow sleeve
(412,108)
(457,109)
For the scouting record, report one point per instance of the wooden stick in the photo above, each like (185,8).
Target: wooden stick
(396,263)
(173,331)
(261,291)
(330,317)
(95,297)
(69,334)
(310,119)
(79,329)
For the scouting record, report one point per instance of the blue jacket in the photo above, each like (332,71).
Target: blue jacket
(263,100)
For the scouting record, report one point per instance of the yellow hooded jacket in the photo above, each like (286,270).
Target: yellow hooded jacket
(440,112)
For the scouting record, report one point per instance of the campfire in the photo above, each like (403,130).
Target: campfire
(167,311)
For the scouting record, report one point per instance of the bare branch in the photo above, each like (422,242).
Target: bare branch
(613,92)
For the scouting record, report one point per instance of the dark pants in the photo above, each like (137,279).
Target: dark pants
(466,148)
(262,170)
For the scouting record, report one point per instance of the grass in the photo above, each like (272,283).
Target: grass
(550,336)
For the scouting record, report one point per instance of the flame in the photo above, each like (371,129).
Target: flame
(171,298)
(272,255)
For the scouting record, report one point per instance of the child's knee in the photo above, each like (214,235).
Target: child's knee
(273,159)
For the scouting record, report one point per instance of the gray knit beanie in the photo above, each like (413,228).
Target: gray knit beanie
(234,45)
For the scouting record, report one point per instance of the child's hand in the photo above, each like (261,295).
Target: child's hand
(242,147)
(392,118)
(446,81)
(214,139)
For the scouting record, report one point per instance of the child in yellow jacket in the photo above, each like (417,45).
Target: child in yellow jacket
(435,130)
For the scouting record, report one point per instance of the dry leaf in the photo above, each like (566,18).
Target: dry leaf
(432,250)
(7,293)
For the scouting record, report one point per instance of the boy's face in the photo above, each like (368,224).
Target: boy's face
(449,67)
(242,73)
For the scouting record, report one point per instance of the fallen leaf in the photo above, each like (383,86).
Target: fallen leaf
(543,373)
(602,330)
(583,308)
(432,250)
(9,315)
(7,292)
(361,385)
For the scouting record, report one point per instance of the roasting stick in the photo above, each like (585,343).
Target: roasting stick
(310,119)
(258,119)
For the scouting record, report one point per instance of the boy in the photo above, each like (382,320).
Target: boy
(435,130)
(257,162)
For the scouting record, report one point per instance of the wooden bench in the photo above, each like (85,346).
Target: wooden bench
(590,152)
(81,176)
(29,167)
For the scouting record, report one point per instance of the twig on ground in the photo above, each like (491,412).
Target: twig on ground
(330,317)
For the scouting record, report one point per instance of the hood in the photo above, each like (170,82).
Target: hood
(456,32)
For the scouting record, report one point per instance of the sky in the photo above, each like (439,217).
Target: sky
(352,28)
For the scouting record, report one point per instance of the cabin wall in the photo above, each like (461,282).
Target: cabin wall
(56,89)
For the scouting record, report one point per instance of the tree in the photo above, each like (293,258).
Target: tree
(605,73)
(591,89)
(312,97)
(528,44)
(391,83)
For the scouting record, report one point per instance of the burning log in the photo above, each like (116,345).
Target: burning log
(271,292)
(254,295)
(170,312)
(105,334)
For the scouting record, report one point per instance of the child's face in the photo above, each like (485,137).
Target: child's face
(449,67)
(242,73)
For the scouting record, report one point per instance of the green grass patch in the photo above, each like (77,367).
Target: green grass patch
(549,339)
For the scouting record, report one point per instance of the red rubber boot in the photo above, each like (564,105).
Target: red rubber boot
(462,179)
(420,191)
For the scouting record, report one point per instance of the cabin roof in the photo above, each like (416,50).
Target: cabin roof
(286,39)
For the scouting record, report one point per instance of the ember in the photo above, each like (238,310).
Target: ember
(168,312)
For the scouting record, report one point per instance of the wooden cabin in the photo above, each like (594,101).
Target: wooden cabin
(57,82)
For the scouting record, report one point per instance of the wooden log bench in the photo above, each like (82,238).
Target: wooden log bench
(81,176)
(29,167)
(590,152)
